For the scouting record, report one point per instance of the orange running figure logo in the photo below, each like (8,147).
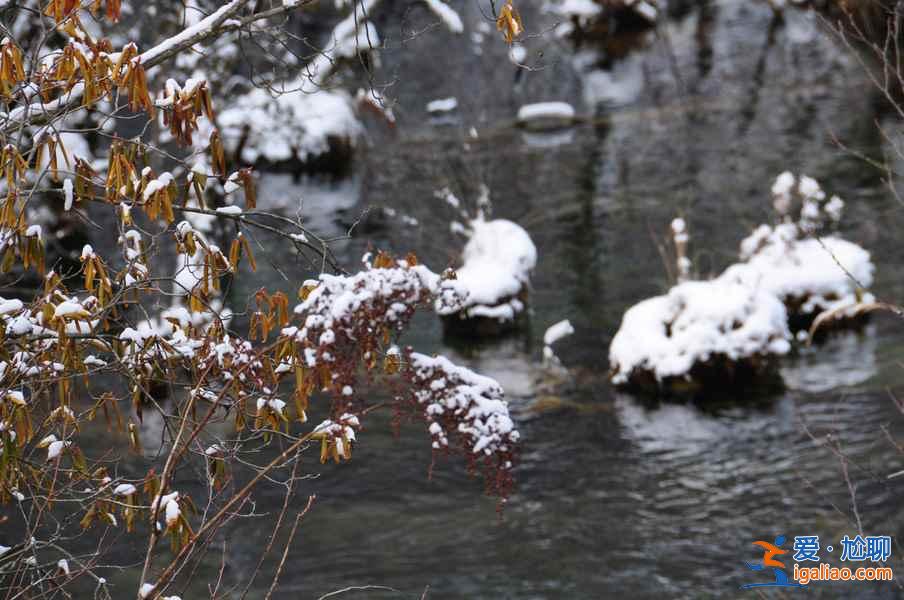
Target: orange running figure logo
(778,568)
(771,550)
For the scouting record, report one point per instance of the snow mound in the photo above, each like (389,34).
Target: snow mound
(585,11)
(808,275)
(797,261)
(495,271)
(586,14)
(696,323)
(289,126)
(546,115)
(442,105)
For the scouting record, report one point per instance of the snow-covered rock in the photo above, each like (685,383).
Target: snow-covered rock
(495,272)
(584,11)
(809,270)
(442,105)
(553,334)
(289,127)
(546,115)
(809,275)
(699,333)
(604,17)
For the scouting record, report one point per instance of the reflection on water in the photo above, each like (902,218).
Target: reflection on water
(548,139)
(845,359)
(668,427)
(317,203)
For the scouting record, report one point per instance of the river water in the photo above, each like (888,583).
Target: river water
(615,495)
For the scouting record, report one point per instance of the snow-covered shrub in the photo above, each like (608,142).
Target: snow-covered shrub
(467,411)
(801,262)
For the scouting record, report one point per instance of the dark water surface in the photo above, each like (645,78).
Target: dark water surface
(615,497)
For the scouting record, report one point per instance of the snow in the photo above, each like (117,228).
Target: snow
(806,271)
(186,35)
(162,502)
(288,125)
(679,230)
(697,320)
(67,194)
(449,17)
(517,54)
(442,105)
(125,489)
(10,306)
(459,402)
(155,185)
(19,326)
(556,332)
(172,513)
(546,114)
(302,121)
(340,432)
(794,267)
(645,9)
(809,270)
(584,10)
(496,266)
(70,309)
(232,183)
(55,448)
(229,210)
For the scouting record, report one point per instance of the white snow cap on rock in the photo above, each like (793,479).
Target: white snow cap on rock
(667,335)
(288,125)
(809,270)
(546,114)
(442,105)
(496,266)
(556,332)
(553,334)
(585,11)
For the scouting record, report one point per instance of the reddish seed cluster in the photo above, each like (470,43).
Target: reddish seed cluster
(465,412)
